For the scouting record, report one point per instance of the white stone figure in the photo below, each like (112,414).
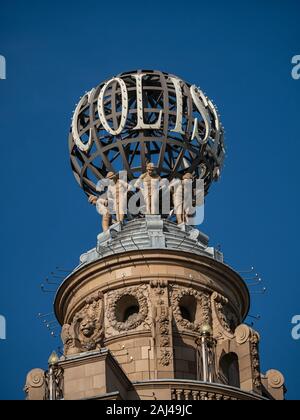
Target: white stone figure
(117,196)
(102,208)
(115,201)
(176,189)
(148,184)
(187,209)
(182,194)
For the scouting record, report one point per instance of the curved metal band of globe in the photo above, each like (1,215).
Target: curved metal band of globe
(140,117)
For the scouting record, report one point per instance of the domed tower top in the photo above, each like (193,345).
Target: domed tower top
(152,311)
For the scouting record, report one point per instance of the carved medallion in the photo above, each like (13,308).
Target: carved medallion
(201,308)
(115,311)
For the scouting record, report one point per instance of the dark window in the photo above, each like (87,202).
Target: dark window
(126,307)
(230,371)
(185,313)
(188,307)
(134,309)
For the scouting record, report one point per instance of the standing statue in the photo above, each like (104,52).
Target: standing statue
(187,209)
(115,201)
(182,194)
(117,196)
(102,208)
(176,189)
(148,184)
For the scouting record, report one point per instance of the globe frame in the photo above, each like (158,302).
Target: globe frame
(172,152)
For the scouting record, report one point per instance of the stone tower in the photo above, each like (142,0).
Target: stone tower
(152,312)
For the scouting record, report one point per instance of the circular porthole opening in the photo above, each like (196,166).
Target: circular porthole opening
(127,308)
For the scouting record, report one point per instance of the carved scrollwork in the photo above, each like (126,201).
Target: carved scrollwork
(35,378)
(254,340)
(203,311)
(275,378)
(35,387)
(244,334)
(165,357)
(136,319)
(164,323)
(224,318)
(161,322)
(85,333)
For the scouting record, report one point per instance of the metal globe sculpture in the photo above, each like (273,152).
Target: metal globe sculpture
(142,117)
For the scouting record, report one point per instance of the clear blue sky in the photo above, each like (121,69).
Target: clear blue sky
(239,53)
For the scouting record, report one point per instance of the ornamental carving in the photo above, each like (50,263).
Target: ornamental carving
(224,318)
(275,379)
(162,322)
(36,386)
(159,286)
(203,310)
(254,340)
(134,320)
(85,333)
(244,334)
(165,357)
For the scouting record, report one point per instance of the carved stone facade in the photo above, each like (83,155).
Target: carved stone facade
(134,325)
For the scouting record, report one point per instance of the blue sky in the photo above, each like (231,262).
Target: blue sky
(240,54)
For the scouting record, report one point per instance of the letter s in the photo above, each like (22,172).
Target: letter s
(296,68)
(296,329)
